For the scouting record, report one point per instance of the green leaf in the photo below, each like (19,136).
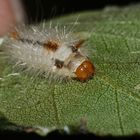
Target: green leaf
(107,104)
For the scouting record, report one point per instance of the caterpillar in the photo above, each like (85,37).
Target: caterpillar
(50,52)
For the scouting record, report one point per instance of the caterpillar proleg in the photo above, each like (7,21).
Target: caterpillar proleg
(50,52)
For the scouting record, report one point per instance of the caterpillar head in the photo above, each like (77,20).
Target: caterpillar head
(85,71)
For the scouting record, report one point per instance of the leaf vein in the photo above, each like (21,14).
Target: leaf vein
(55,107)
(119,114)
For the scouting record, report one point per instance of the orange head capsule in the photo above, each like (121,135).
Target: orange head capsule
(85,71)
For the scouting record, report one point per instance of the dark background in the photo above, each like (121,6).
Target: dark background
(38,10)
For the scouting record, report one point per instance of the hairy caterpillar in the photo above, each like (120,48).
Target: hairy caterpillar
(54,53)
